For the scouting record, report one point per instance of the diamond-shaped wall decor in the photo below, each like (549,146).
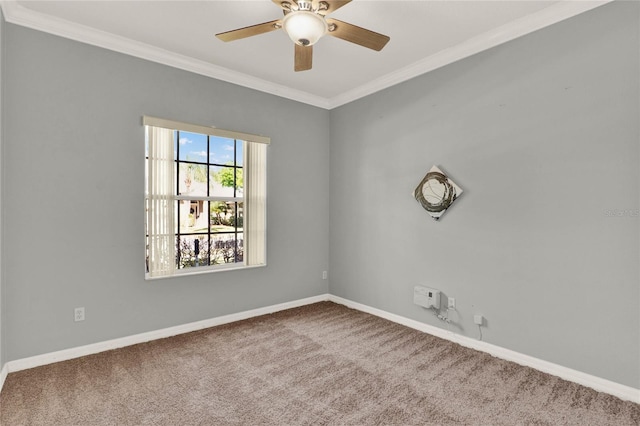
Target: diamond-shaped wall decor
(436,192)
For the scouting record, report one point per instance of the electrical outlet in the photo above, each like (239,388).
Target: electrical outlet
(324,275)
(452,303)
(478,319)
(78,314)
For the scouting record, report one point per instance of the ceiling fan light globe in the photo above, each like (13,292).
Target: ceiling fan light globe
(304,28)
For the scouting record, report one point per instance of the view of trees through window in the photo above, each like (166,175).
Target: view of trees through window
(210,200)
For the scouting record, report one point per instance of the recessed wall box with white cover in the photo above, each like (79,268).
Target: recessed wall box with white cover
(427,297)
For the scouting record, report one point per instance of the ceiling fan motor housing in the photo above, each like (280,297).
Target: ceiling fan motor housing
(304,5)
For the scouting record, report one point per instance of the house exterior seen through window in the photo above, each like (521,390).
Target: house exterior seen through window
(205,199)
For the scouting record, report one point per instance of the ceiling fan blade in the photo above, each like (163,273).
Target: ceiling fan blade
(250,31)
(303,58)
(333,6)
(284,5)
(357,35)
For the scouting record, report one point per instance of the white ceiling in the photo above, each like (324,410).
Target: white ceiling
(424,35)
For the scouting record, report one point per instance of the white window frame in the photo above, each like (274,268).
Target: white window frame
(161,197)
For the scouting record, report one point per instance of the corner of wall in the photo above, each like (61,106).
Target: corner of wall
(3,370)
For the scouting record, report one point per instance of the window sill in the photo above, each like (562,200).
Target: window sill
(203,270)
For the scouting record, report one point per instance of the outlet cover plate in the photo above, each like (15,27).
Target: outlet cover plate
(78,314)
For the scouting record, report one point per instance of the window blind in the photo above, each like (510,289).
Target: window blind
(160,204)
(255,202)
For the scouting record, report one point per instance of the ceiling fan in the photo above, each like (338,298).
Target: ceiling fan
(305,22)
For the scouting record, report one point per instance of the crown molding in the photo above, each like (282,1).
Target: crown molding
(518,28)
(19,15)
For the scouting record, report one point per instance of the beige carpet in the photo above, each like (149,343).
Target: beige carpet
(320,364)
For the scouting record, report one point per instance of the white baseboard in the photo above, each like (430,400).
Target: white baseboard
(602,385)
(3,375)
(67,354)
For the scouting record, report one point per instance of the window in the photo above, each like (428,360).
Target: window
(205,198)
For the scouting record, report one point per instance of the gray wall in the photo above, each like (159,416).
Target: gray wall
(542,134)
(2,322)
(73,201)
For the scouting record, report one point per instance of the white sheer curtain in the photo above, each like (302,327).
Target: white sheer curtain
(255,187)
(161,254)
